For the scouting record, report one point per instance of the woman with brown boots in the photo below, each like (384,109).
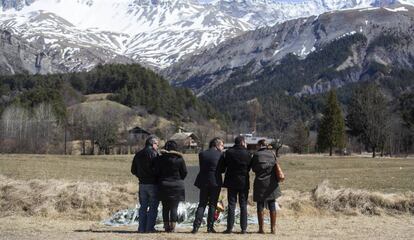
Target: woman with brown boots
(266,185)
(171,171)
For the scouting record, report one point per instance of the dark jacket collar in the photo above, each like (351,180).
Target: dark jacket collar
(239,147)
(213,149)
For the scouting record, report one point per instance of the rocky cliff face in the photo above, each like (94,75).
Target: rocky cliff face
(15,4)
(38,56)
(266,47)
(155,33)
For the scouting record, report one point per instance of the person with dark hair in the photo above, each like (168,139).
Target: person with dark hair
(171,171)
(236,164)
(266,187)
(209,182)
(142,168)
(261,143)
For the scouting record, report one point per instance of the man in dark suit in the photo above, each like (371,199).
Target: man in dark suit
(209,182)
(236,164)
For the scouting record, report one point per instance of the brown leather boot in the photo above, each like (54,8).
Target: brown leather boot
(273,222)
(172,226)
(260,220)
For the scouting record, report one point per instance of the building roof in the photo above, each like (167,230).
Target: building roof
(255,139)
(138,130)
(250,140)
(183,135)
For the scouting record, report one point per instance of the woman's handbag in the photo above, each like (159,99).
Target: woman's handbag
(279,173)
(278,170)
(219,209)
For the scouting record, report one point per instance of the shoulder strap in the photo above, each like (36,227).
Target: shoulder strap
(274,154)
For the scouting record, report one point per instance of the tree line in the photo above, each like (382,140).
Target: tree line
(295,120)
(32,105)
(370,121)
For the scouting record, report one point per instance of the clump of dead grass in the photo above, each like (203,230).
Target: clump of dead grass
(326,200)
(99,200)
(298,204)
(59,198)
(353,201)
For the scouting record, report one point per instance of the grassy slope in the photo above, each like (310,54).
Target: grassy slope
(97,106)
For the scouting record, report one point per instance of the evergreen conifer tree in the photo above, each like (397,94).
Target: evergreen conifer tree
(368,117)
(332,128)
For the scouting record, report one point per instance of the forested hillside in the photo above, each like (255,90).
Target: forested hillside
(74,112)
(131,85)
(299,85)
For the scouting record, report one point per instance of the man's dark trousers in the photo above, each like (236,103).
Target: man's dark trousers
(148,210)
(232,199)
(208,195)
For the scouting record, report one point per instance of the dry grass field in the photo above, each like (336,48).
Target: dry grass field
(66,197)
(303,172)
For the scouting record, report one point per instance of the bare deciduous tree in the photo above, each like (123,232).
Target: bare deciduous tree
(255,110)
(299,137)
(281,117)
(79,128)
(32,132)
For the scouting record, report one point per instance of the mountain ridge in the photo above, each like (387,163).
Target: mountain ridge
(266,47)
(155,33)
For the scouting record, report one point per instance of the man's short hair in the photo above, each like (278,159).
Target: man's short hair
(262,142)
(215,142)
(239,140)
(151,140)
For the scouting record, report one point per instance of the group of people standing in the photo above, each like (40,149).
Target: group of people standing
(161,178)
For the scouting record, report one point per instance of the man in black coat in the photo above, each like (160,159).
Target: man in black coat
(209,182)
(236,164)
(142,168)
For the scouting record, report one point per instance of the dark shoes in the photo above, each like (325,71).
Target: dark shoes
(172,226)
(169,226)
(228,231)
(149,231)
(195,230)
(211,230)
(243,231)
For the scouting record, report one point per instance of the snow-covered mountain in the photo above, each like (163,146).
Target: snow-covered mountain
(388,34)
(157,33)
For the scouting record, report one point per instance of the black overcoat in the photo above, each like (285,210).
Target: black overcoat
(236,163)
(171,171)
(209,175)
(143,165)
(265,186)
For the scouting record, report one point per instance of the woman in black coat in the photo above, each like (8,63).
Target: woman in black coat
(170,170)
(266,187)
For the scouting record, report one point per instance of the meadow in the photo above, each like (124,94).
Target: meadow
(303,172)
(67,197)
